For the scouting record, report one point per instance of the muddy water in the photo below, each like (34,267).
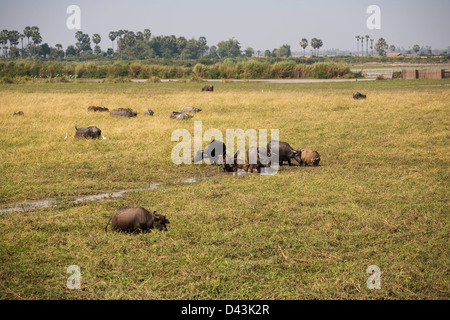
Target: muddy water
(52,203)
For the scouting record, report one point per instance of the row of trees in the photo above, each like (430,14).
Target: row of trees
(381,46)
(128,44)
(316,44)
(142,45)
(10,39)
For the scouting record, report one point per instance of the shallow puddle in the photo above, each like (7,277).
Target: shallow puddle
(52,203)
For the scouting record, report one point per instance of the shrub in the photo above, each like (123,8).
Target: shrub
(283,69)
(200,70)
(328,70)
(135,69)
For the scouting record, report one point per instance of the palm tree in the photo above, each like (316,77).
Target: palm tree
(147,34)
(367,44)
(304,44)
(371,45)
(28,33)
(121,45)
(22,36)
(97,39)
(79,36)
(3,39)
(319,45)
(314,42)
(112,36)
(357,45)
(362,45)
(13,37)
(35,35)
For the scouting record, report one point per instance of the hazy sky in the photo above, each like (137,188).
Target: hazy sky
(260,24)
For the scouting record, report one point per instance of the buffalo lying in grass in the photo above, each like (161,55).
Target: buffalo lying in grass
(190,110)
(135,220)
(180,115)
(88,133)
(98,109)
(208,87)
(358,95)
(19,113)
(122,112)
(148,112)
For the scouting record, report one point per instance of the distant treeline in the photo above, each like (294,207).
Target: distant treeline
(226,69)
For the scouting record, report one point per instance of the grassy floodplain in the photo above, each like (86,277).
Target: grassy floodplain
(379,197)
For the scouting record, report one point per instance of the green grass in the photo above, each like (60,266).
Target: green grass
(379,196)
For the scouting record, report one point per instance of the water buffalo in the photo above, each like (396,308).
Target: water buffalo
(190,110)
(135,220)
(212,152)
(284,151)
(358,95)
(123,112)
(208,87)
(180,115)
(257,158)
(148,112)
(233,165)
(310,157)
(89,132)
(98,109)
(19,113)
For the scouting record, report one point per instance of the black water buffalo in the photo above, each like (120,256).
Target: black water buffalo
(284,151)
(98,109)
(122,112)
(148,112)
(358,95)
(180,115)
(310,158)
(212,152)
(232,165)
(135,220)
(208,87)
(190,110)
(19,113)
(257,158)
(88,133)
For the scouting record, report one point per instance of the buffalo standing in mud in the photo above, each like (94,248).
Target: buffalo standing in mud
(284,151)
(135,220)
(88,133)
(233,165)
(212,152)
(257,158)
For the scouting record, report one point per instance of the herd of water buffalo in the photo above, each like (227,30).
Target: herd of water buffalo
(141,220)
